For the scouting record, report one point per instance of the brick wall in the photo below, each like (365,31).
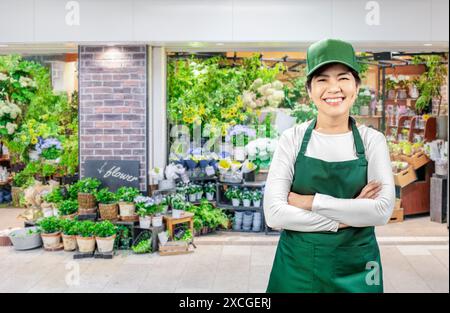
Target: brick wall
(113,105)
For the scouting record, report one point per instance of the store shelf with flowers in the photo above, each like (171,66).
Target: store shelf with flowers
(38,126)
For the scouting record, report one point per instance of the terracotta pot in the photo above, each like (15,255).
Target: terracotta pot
(51,241)
(86,244)
(127,208)
(105,245)
(70,242)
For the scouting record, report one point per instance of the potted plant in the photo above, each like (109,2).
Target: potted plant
(105,235)
(26,238)
(87,187)
(67,209)
(157,217)
(246,197)
(53,198)
(126,196)
(192,193)
(20,181)
(256,197)
(199,192)
(85,236)
(210,189)
(107,204)
(233,194)
(145,218)
(69,232)
(50,232)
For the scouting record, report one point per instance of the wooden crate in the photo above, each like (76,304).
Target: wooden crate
(174,247)
(405,177)
(417,160)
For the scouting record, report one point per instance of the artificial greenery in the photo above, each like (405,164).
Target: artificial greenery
(50,225)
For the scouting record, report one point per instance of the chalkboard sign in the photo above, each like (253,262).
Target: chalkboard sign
(113,173)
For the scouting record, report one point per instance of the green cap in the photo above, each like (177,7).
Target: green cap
(330,51)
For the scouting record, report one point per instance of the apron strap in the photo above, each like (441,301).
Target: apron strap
(356,137)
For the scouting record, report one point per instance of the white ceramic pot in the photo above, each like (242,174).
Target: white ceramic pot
(127,208)
(210,196)
(246,202)
(199,195)
(256,203)
(235,202)
(193,197)
(157,221)
(145,221)
(105,245)
(177,213)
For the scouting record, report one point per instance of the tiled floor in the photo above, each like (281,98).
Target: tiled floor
(414,254)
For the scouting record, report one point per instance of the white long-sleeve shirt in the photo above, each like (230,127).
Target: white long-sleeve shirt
(327,212)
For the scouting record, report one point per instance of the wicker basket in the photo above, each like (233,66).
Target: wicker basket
(15,194)
(87,211)
(86,201)
(109,211)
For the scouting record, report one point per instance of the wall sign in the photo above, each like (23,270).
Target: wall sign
(114,173)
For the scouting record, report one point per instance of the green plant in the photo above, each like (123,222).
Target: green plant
(233,193)
(68,227)
(68,207)
(105,196)
(127,194)
(87,185)
(85,228)
(55,196)
(48,170)
(105,229)
(246,195)
(22,180)
(430,82)
(304,112)
(257,195)
(50,225)
(144,246)
(209,188)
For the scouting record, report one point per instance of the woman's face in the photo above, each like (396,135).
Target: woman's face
(334,91)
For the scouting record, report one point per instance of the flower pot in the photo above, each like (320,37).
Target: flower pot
(23,240)
(157,221)
(257,203)
(86,244)
(105,245)
(246,202)
(108,211)
(51,241)
(177,213)
(199,195)
(127,208)
(210,196)
(235,202)
(145,221)
(402,94)
(86,201)
(247,221)
(391,94)
(193,197)
(69,242)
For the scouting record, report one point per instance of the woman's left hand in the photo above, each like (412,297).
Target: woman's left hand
(300,201)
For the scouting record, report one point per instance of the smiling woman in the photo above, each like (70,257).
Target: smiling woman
(329,184)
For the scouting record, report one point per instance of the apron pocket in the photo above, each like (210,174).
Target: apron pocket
(355,260)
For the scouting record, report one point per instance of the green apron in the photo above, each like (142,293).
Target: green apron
(344,261)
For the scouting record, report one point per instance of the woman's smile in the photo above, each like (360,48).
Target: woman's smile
(334,101)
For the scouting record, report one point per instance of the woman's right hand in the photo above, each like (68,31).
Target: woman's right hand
(370,191)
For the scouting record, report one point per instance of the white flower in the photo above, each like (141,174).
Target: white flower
(26,82)
(11,128)
(3,77)
(277,85)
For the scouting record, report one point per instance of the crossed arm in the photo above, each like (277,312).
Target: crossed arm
(309,213)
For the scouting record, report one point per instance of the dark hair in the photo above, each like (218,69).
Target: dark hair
(324,68)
